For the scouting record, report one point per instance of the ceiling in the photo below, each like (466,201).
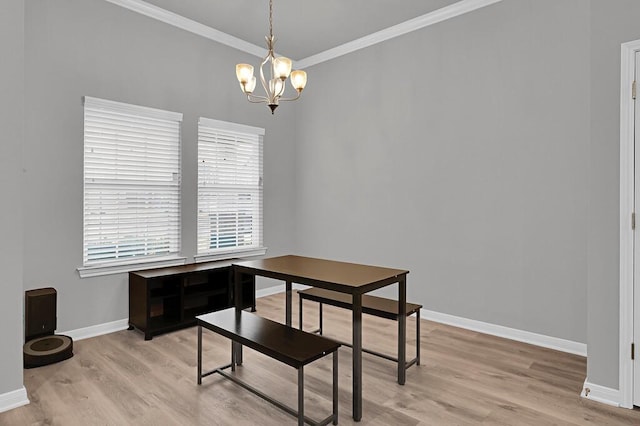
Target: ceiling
(302,27)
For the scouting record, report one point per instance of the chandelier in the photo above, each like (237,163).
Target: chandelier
(279,70)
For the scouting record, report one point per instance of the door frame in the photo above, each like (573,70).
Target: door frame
(627,193)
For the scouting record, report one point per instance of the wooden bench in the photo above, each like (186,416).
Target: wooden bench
(372,305)
(288,345)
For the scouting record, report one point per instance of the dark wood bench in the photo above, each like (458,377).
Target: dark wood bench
(288,345)
(372,305)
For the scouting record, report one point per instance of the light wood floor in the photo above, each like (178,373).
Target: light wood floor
(466,378)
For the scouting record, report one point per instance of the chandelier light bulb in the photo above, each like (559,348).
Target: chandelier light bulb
(276,86)
(250,86)
(281,67)
(298,80)
(244,72)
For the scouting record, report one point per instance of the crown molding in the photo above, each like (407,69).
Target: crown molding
(431,18)
(179,21)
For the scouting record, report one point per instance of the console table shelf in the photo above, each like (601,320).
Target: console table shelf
(167,299)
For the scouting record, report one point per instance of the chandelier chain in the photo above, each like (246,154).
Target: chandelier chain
(270,18)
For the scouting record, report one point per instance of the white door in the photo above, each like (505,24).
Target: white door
(636,246)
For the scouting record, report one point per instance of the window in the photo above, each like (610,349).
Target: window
(229,189)
(131,183)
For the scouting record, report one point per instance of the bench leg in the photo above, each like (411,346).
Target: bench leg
(233,357)
(335,387)
(320,317)
(237,348)
(418,337)
(301,396)
(199,354)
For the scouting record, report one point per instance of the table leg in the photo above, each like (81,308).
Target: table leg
(418,337)
(237,285)
(402,329)
(335,387)
(357,357)
(301,396)
(288,304)
(300,313)
(199,354)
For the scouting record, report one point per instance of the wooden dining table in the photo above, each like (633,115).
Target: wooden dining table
(350,278)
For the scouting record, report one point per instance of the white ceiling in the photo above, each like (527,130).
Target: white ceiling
(302,27)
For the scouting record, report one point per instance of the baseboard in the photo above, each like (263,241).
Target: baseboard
(13,399)
(600,394)
(508,333)
(479,326)
(97,330)
(123,324)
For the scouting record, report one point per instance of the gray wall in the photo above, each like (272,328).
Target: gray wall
(494,159)
(612,23)
(460,152)
(11,190)
(92,47)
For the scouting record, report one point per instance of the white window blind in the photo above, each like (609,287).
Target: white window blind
(131,182)
(229,187)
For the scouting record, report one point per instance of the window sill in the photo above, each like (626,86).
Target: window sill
(118,268)
(231,254)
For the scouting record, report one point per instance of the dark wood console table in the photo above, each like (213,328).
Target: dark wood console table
(167,299)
